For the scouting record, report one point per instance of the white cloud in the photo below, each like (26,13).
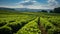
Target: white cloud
(27,2)
(53,3)
(17,6)
(37,7)
(33,4)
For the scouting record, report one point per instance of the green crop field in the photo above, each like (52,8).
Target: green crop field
(27,22)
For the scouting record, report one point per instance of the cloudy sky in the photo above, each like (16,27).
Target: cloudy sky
(31,4)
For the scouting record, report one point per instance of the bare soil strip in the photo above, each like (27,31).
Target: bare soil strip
(43,31)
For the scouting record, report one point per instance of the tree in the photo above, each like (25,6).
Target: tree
(44,11)
(57,10)
(51,11)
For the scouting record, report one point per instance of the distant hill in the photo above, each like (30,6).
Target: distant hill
(7,10)
(3,8)
(22,9)
(31,10)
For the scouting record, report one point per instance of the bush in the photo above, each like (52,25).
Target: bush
(48,27)
(5,31)
(11,21)
(2,23)
(57,31)
(15,27)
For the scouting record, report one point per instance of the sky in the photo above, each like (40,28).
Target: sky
(31,4)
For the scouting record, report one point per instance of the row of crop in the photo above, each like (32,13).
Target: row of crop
(55,21)
(30,28)
(50,28)
(14,25)
(15,18)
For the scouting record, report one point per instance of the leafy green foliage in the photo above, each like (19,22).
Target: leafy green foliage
(26,22)
(30,28)
(2,23)
(5,30)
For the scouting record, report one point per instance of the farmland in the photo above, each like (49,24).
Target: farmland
(27,22)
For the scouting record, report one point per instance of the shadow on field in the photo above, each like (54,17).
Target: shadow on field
(2,23)
(5,31)
(16,27)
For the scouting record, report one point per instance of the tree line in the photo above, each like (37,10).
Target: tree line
(55,10)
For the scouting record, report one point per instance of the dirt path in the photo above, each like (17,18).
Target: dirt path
(43,31)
